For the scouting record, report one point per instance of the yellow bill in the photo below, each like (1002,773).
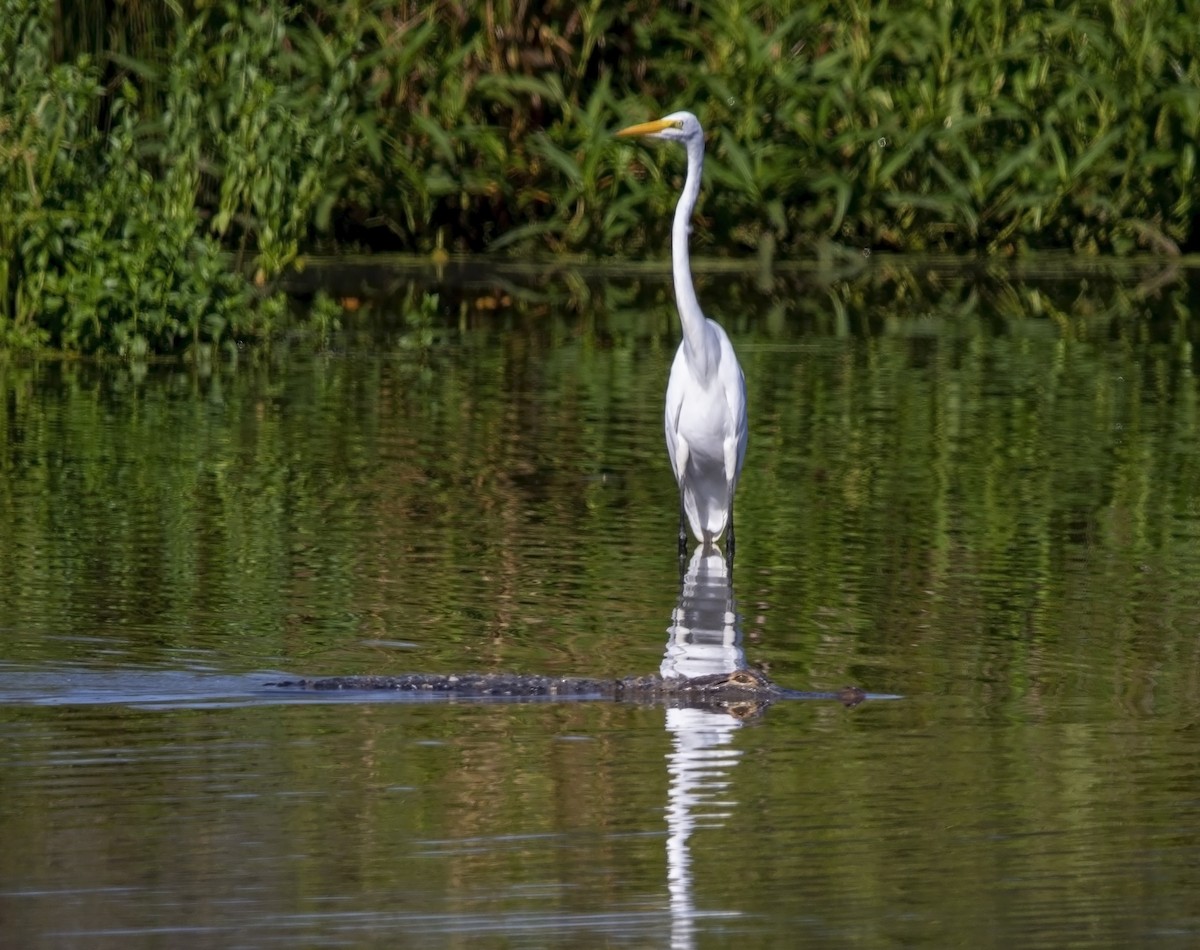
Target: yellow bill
(649,128)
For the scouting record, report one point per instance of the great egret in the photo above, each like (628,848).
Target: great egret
(705,417)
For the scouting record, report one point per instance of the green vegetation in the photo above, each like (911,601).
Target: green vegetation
(124,184)
(141,147)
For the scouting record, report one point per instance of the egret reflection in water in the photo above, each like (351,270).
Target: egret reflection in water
(705,636)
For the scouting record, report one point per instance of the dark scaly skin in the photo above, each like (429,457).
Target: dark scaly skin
(720,690)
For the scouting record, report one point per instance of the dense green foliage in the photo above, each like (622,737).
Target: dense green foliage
(99,247)
(124,184)
(949,126)
(137,144)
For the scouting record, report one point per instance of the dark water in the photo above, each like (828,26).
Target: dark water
(978,490)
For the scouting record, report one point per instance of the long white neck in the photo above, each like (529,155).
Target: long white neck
(695,327)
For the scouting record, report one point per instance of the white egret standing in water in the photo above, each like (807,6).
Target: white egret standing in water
(705,417)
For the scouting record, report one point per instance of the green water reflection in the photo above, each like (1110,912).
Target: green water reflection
(975,489)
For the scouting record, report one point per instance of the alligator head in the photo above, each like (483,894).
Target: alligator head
(745,689)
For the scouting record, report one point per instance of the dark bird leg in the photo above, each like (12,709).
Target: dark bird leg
(729,544)
(683,544)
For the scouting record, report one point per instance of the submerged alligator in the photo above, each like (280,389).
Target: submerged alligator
(741,692)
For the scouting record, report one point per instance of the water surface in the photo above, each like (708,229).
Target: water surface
(978,490)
